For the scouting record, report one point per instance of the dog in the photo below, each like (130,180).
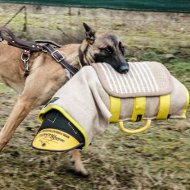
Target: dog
(47,76)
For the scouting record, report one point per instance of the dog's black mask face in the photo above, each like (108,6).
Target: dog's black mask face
(106,48)
(110,50)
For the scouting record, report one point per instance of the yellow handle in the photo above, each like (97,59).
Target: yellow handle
(134,131)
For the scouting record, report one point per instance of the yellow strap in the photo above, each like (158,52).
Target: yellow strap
(115,107)
(139,109)
(187,103)
(61,110)
(134,131)
(164,107)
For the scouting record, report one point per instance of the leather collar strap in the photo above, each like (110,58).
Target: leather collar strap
(7,34)
(59,58)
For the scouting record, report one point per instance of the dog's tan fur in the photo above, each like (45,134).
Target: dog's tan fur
(45,78)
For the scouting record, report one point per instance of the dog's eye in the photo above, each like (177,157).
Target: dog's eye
(108,49)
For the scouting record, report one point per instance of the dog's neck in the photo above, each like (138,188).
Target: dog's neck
(79,55)
(86,53)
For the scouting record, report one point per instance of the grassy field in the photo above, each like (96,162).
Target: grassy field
(155,160)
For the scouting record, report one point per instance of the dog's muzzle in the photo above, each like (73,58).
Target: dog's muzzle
(57,133)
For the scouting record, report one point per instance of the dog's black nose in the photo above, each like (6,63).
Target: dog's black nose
(124,69)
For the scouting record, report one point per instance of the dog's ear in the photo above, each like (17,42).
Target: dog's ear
(90,34)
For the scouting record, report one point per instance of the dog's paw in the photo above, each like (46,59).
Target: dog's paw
(79,173)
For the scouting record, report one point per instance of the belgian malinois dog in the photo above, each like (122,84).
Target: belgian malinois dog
(47,76)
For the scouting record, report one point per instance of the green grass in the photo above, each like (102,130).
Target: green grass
(4,88)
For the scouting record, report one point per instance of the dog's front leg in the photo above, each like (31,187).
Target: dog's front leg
(19,112)
(78,165)
(32,96)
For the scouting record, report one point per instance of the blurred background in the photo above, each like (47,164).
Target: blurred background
(157,159)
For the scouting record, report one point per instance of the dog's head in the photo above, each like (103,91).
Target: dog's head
(104,48)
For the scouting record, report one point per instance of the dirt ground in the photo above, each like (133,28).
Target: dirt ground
(155,160)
